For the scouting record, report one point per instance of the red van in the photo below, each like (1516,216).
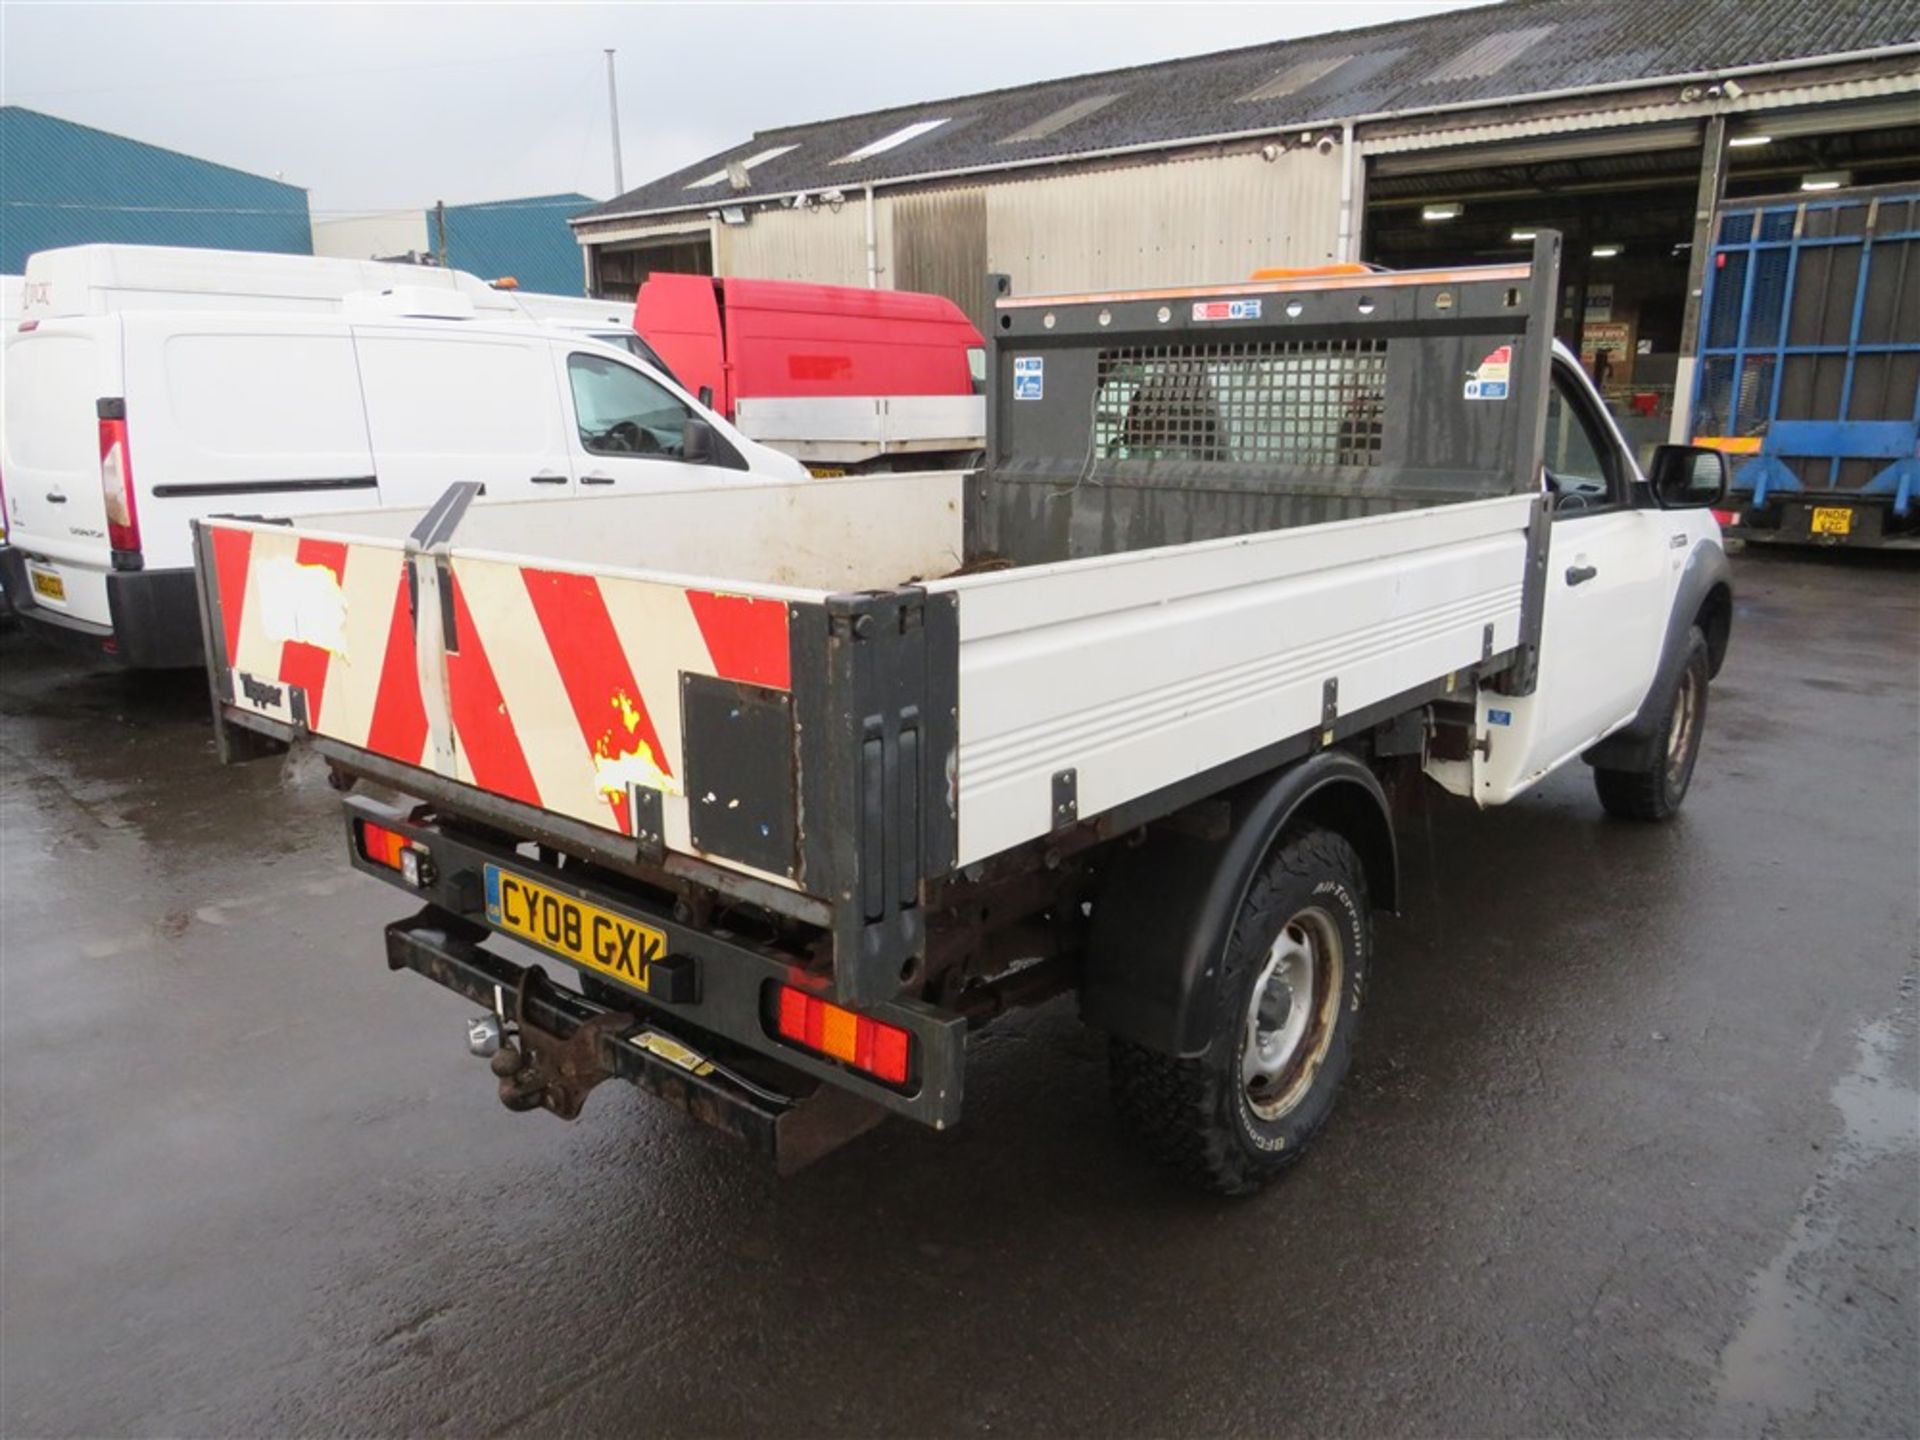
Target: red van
(841,378)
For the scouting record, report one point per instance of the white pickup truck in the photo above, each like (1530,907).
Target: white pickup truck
(802,785)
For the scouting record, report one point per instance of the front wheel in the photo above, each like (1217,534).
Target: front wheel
(1654,790)
(1282,1031)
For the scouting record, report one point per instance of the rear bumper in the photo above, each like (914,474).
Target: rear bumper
(1788,519)
(720,1010)
(155,617)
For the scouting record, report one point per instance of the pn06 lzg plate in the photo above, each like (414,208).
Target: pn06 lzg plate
(587,935)
(1832,520)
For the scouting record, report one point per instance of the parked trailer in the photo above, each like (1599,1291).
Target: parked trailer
(804,785)
(1810,365)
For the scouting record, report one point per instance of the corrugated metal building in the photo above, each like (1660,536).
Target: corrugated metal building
(68,184)
(1439,140)
(527,239)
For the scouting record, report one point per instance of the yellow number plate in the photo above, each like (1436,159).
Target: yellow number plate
(46,583)
(573,929)
(1832,520)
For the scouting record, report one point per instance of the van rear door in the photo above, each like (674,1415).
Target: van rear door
(255,414)
(679,316)
(446,406)
(56,375)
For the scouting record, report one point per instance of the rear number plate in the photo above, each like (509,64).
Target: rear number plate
(591,937)
(47,584)
(1832,520)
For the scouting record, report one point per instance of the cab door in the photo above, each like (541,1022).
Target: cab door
(445,405)
(627,429)
(1606,601)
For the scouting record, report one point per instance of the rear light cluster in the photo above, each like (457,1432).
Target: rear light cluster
(881,1050)
(394,851)
(116,486)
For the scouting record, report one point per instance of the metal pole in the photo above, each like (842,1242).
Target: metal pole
(440,226)
(1706,208)
(1348,245)
(613,116)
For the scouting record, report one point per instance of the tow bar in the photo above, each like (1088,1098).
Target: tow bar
(550,1047)
(547,1070)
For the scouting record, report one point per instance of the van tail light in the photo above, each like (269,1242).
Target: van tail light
(881,1050)
(393,851)
(1727,518)
(116,486)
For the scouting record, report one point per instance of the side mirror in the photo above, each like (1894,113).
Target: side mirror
(1687,477)
(696,442)
(706,397)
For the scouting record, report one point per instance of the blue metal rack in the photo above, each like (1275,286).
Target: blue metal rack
(1765,318)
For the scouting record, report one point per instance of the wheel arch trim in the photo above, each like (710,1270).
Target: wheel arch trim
(1168,906)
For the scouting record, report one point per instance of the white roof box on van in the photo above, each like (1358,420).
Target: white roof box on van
(102,279)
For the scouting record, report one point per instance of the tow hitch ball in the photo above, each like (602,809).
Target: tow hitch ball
(537,1068)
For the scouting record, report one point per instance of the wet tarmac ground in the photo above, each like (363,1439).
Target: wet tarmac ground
(1630,1146)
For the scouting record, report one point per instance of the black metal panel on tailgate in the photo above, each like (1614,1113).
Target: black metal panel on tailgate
(739,757)
(878,733)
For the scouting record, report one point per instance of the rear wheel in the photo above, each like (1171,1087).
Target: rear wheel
(1654,791)
(1281,1035)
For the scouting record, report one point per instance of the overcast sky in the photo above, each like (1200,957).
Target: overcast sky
(385,106)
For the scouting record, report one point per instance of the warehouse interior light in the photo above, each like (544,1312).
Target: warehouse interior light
(1449,211)
(1826,179)
(1748,142)
(1605,252)
(1522,237)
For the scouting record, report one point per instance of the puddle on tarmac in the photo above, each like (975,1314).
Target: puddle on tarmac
(1781,1356)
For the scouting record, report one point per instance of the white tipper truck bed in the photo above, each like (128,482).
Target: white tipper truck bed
(805,783)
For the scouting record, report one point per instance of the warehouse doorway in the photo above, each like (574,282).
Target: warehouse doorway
(620,269)
(1625,201)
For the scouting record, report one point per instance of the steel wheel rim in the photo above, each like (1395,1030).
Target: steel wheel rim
(1290,1013)
(1686,715)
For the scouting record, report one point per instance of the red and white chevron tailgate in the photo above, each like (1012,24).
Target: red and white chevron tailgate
(564,687)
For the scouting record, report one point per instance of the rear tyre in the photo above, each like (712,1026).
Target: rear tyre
(1281,1035)
(1655,790)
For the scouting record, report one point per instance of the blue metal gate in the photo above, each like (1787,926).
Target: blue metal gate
(1810,363)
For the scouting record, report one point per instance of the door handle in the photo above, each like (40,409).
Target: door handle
(1580,574)
(56,497)
(545,479)
(596,479)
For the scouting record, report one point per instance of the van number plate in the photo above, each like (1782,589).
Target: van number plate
(572,929)
(47,585)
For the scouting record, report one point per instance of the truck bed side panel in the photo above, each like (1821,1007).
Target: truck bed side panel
(1137,671)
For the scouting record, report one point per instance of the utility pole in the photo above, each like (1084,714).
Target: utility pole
(613,115)
(440,228)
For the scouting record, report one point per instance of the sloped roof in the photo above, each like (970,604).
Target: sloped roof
(70,184)
(1514,50)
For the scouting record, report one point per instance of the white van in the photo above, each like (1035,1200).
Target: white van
(121,426)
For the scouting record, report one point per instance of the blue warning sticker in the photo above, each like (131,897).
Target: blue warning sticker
(1029,376)
(1499,717)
